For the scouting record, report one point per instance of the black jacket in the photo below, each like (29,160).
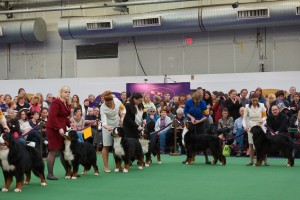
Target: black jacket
(129,125)
(279,123)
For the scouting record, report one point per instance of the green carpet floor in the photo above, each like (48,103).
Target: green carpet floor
(172,180)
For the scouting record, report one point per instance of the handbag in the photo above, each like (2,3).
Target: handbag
(226,150)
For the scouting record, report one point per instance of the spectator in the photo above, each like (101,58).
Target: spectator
(162,123)
(78,122)
(295,104)
(162,105)
(48,101)
(243,99)
(14,126)
(261,98)
(238,130)
(151,115)
(167,98)
(208,99)
(21,103)
(3,122)
(218,106)
(233,104)
(147,102)
(277,121)
(85,107)
(34,104)
(75,102)
(279,100)
(292,91)
(123,98)
(91,98)
(90,119)
(271,98)
(179,124)
(225,121)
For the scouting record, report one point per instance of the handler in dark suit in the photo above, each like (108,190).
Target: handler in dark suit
(57,122)
(135,116)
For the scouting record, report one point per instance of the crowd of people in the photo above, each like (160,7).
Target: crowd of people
(44,121)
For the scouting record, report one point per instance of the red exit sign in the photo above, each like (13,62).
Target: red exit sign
(188,41)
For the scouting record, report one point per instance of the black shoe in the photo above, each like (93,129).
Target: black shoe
(249,164)
(53,178)
(208,162)
(184,162)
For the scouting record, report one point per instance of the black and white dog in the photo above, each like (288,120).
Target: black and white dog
(126,149)
(17,160)
(150,144)
(76,153)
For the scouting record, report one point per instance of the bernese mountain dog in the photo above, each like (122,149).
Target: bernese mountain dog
(76,153)
(195,142)
(151,143)
(17,160)
(126,149)
(265,143)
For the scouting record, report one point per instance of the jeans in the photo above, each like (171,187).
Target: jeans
(240,139)
(162,139)
(80,136)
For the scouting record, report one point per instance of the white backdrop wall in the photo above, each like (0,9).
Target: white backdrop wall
(220,82)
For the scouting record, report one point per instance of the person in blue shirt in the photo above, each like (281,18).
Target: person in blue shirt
(196,112)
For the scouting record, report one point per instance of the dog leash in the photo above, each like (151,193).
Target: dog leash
(161,129)
(271,131)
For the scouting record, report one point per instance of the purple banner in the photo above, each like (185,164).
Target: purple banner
(159,89)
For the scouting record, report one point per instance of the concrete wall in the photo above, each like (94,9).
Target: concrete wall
(229,51)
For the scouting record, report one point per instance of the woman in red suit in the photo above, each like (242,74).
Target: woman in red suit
(57,122)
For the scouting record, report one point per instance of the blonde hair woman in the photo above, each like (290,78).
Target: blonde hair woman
(271,98)
(57,122)
(112,115)
(147,103)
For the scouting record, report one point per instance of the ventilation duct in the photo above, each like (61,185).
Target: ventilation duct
(29,30)
(127,25)
(263,14)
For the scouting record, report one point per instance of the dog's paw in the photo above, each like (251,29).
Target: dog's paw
(147,165)
(116,170)
(43,184)
(26,182)
(18,190)
(159,162)
(97,174)
(140,167)
(4,190)
(125,171)
(288,165)
(67,177)
(74,177)
(83,173)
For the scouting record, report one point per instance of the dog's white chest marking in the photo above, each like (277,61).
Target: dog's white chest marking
(119,151)
(5,165)
(145,145)
(68,153)
(185,130)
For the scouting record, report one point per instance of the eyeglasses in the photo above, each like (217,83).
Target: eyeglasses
(152,111)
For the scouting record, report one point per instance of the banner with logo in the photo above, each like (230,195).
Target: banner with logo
(159,89)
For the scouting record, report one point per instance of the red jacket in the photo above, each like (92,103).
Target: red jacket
(58,118)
